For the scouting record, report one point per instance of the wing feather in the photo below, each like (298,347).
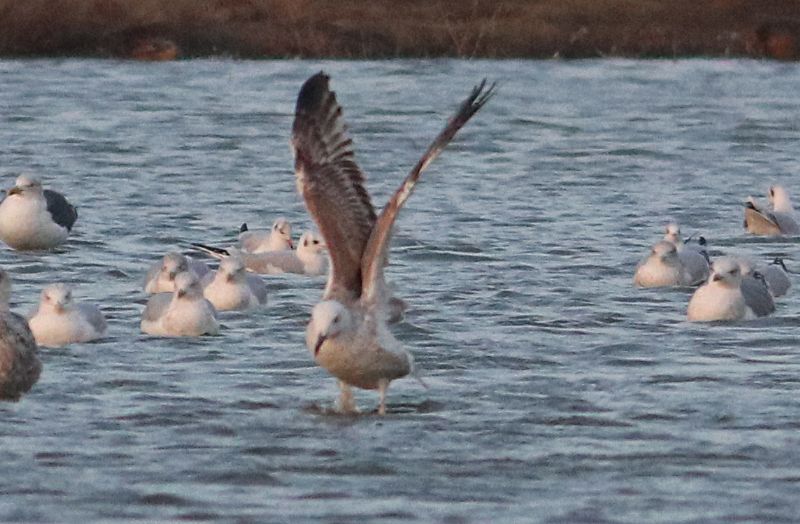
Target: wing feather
(376,252)
(332,184)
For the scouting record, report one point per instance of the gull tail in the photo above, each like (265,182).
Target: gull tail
(216,252)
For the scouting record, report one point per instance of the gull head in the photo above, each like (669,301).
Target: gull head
(779,198)
(310,244)
(329,318)
(56,298)
(232,268)
(727,272)
(665,251)
(283,230)
(173,264)
(187,286)
(5,290)
(672,233)
(26,184)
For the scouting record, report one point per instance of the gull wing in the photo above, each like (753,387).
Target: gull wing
(375,254)
(331,184)
(758,222)
(756,295)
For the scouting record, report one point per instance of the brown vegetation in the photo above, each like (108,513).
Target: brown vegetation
(400,28)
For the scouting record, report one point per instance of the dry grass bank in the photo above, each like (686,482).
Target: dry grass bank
(402,28)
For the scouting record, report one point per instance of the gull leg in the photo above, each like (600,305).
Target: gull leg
(346,402)
(383,385)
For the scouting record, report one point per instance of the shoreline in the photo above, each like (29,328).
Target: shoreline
(511,29)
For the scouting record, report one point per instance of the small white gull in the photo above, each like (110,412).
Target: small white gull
(35,218)
(278,238)
(348,334)
(662,268)
(233,288)
(308,259)
(160,277)
(693,256)
(60,321)
(20,366)
(776,219)
(722,297)
(182,313)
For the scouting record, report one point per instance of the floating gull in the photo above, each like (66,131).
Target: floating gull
(662,268)
(60,321)
(694,256)
(279,238)
(723,297)
(777,277)
(182,313)
(348,333)
(778,219)
(35,218)
(19,363)
(233,288)
(160,277)
(308,259)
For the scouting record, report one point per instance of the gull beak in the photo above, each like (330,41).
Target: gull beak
(716,277)
(15,191)
(171,275)
(291,244)
(59,307)
(320,340)
(229,277)
(181,293)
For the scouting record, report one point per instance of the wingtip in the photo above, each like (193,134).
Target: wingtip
(243,228)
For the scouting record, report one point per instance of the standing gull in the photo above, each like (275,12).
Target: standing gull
(35,218)
(20,366)
(60,321)
(279,238)
(348,333)
(777,219)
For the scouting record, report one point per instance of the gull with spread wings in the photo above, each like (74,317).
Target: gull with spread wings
(348,333)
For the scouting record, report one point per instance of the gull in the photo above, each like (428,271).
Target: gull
(348,333)
(308,259)
(233,288)
(182,313)
(777,219)
(777,277)
(279,238)
(662,268)
(35,218)
(723,296)
(694,257)
(20,366)
(60,321)
(160,277)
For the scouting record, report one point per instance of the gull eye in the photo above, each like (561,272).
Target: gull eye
(315,242)
(46,297)
(336,319)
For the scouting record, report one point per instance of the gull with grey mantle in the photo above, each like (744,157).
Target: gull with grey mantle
(348,334)
(32,217)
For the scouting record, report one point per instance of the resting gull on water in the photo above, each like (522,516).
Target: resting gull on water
(348,334)
(233,287)
(726,297)
(308,259)
(279,238)
(693,256)
(182,313)
(60,321)
(778,219)
(662,268)
(160,277)
(19,363)
(35,218)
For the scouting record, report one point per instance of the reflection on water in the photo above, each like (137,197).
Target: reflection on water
(557,391)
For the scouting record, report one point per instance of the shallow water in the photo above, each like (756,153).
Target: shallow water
(557,391)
